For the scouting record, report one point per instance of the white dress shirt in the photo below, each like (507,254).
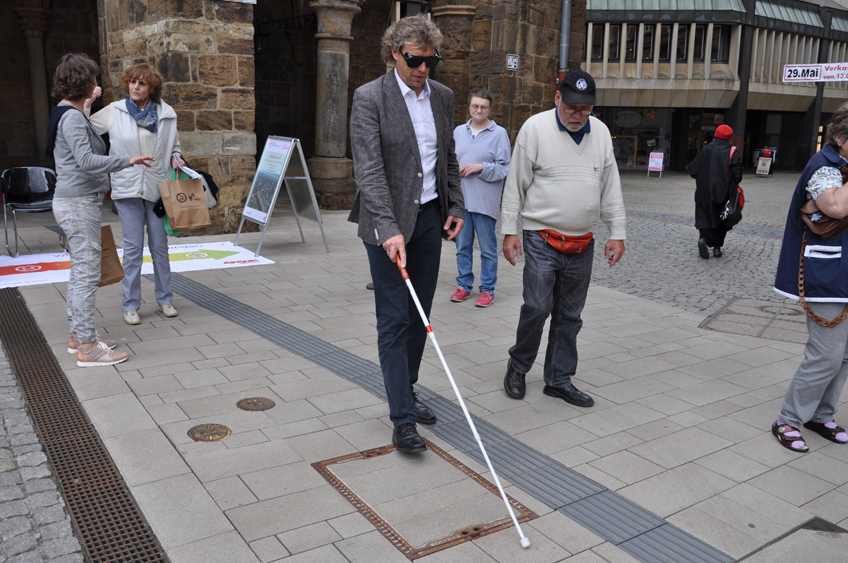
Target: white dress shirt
(424,123)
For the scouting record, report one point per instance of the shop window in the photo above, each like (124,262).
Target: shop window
(614,41)
(630,42)
(598,42)
(648,43)
(700,43)
(720,48)
(682,43)
(665,43)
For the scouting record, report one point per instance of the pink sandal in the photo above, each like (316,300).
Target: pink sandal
(789,437)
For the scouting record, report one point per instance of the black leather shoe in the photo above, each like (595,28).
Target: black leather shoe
(570,394)
(423,414)
(407,440)
(514,384)
(703,250)
(717,252)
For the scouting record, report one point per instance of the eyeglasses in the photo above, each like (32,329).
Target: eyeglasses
(475,107)
(413,61)
(570,111)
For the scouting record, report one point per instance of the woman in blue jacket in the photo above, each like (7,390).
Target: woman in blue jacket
(823,290)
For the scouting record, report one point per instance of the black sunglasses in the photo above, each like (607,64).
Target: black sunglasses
(414,62)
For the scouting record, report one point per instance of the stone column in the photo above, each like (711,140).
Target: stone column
(330,168)
(456,22)
(33,16)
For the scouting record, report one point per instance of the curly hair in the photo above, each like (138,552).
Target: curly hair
(416,31)
(837,129)
(147,73)
(75,77)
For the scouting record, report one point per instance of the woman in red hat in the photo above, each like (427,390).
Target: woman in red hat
(716,173)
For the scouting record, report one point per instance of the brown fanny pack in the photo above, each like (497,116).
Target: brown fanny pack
(565,243)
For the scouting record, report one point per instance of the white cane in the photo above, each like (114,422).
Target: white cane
(525,541)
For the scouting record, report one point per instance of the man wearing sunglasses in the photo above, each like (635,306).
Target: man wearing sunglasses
(562,178)
(404,163)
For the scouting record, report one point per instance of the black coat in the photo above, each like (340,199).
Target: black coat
(714,181)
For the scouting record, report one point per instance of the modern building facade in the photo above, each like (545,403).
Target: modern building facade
(670,71)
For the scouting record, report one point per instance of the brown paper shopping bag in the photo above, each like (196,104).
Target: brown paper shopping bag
(185,203)
(111,270)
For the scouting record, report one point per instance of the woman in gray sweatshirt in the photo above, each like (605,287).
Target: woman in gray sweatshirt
(82,177)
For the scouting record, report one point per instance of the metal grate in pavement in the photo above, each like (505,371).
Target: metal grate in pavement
(105,515)
(592,505)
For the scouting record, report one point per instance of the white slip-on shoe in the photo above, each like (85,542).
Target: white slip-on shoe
(168,310)
(132,318)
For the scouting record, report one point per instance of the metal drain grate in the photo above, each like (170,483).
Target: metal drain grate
(103,512)
(522,513)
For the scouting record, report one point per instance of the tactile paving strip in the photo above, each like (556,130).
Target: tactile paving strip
(588,503)
(522,513)
(103,512)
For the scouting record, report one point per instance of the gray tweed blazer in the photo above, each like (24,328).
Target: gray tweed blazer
(387,164)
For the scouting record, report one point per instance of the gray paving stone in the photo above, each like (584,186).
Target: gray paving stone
(281,514)
(308,537)
(715,531)
(227,547)
(676,489)
(681,447)
(804,487)
(269,549)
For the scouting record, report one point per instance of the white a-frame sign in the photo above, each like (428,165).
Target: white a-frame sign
(270,175)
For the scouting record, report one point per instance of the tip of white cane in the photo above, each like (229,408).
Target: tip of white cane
(525,543)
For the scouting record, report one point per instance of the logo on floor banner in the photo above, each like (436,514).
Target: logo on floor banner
(36,269)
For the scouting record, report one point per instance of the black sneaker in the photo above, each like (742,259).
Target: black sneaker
(407,440)
(703,250)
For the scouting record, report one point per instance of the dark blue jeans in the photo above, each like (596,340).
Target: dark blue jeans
(401,334)
(553,283)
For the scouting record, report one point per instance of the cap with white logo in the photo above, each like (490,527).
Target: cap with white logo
(578,87)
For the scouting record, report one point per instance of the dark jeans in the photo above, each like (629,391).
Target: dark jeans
(401,334)
(714,237)
(553,283)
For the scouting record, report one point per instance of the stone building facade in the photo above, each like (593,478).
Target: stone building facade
(237,72)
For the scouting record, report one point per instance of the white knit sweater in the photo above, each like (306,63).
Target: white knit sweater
(554,183)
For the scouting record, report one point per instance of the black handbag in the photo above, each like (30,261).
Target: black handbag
(732,212)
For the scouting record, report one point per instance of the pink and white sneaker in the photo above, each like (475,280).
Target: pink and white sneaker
(460,295)
(485,299)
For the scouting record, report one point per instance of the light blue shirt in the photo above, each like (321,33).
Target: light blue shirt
(421,113)
(489,147)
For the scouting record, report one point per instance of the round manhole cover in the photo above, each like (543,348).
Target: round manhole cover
(255,404)
(209,432)
(779,310)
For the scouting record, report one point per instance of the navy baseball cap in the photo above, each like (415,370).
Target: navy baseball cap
(578,87)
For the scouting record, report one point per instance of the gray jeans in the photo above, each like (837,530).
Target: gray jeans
(134,213)
(556,285)
(79,217)
(817,385)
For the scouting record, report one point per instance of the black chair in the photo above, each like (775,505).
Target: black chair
(26,190)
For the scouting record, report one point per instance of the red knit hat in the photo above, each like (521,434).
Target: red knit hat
(723,132)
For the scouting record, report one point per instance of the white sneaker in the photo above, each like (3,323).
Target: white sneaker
(100,355)
(132,318)
(168,310)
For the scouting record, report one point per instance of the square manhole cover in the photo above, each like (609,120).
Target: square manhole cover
(786,322)
(422,503)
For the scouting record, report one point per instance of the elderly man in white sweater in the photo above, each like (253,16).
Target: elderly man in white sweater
(562,178)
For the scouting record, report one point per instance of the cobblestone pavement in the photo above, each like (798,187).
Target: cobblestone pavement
(662,263)
(34,523)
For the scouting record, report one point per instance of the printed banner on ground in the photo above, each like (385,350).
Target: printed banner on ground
(36,269)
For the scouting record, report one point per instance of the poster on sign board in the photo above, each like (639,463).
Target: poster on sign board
(269,174)
(763,166)
(655,163)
